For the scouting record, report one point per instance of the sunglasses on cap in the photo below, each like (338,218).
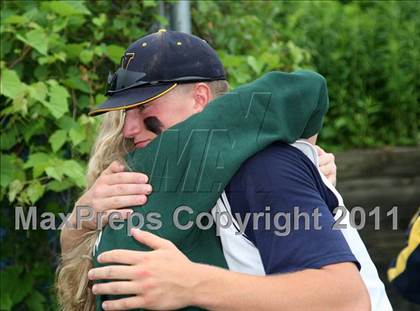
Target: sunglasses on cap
(123,79)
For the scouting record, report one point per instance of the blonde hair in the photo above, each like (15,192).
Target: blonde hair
(73,289)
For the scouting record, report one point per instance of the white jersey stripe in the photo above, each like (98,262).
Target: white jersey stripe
(243,256)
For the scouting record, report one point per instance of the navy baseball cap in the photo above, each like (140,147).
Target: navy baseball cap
(155,64)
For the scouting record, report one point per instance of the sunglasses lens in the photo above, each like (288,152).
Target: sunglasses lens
(123,79)
(111,85)
(110,77)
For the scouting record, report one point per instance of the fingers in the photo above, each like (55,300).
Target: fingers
(122,256)
(112,273)
(125,178)
(327,164)
(326,158)
(115,189)
(116,288)
(319,150)
(328,169)
(150,239)
(124,303)
(119,202)
(127,189)
(114,167)
(105,191)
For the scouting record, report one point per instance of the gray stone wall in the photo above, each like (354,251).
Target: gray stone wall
(385,178)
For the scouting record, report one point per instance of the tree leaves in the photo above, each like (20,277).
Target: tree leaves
(115,52)
(76,83)
(38,91)
(86,56)
(55,172)
(14,188)
(57,104)
(14,286)
(35,301)
(9,138)
(56,168)
(77,135)
(58,139)
(37,39)
(15,19)
(75,171)
(255,64)
(70,168)
(35,191)
(67,8)
(38,162)
(11,169)
(54,67)
(11,86)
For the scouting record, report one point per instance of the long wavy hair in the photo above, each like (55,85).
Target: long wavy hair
(73,289)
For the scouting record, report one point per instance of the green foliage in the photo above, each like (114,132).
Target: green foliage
(368,51)
(246,40)
(17,286)
(55,56)
(368,54)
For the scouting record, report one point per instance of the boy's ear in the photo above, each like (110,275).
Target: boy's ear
(201,95)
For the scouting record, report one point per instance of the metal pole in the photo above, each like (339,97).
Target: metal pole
(182,16)
(164,12)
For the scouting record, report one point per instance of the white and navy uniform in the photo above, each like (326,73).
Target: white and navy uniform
(283,177)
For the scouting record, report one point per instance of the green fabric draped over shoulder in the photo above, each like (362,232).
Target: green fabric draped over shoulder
(190,163)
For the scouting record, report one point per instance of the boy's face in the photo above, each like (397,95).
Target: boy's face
(145,122)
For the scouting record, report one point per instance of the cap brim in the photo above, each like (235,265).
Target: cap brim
(132,98)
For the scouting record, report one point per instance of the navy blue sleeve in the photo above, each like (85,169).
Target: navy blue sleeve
(280,182)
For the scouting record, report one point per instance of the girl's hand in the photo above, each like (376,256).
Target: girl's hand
(327,165)
(113,191)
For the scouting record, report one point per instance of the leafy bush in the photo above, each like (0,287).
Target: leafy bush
(55,57)
(370,56)
(368,51)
